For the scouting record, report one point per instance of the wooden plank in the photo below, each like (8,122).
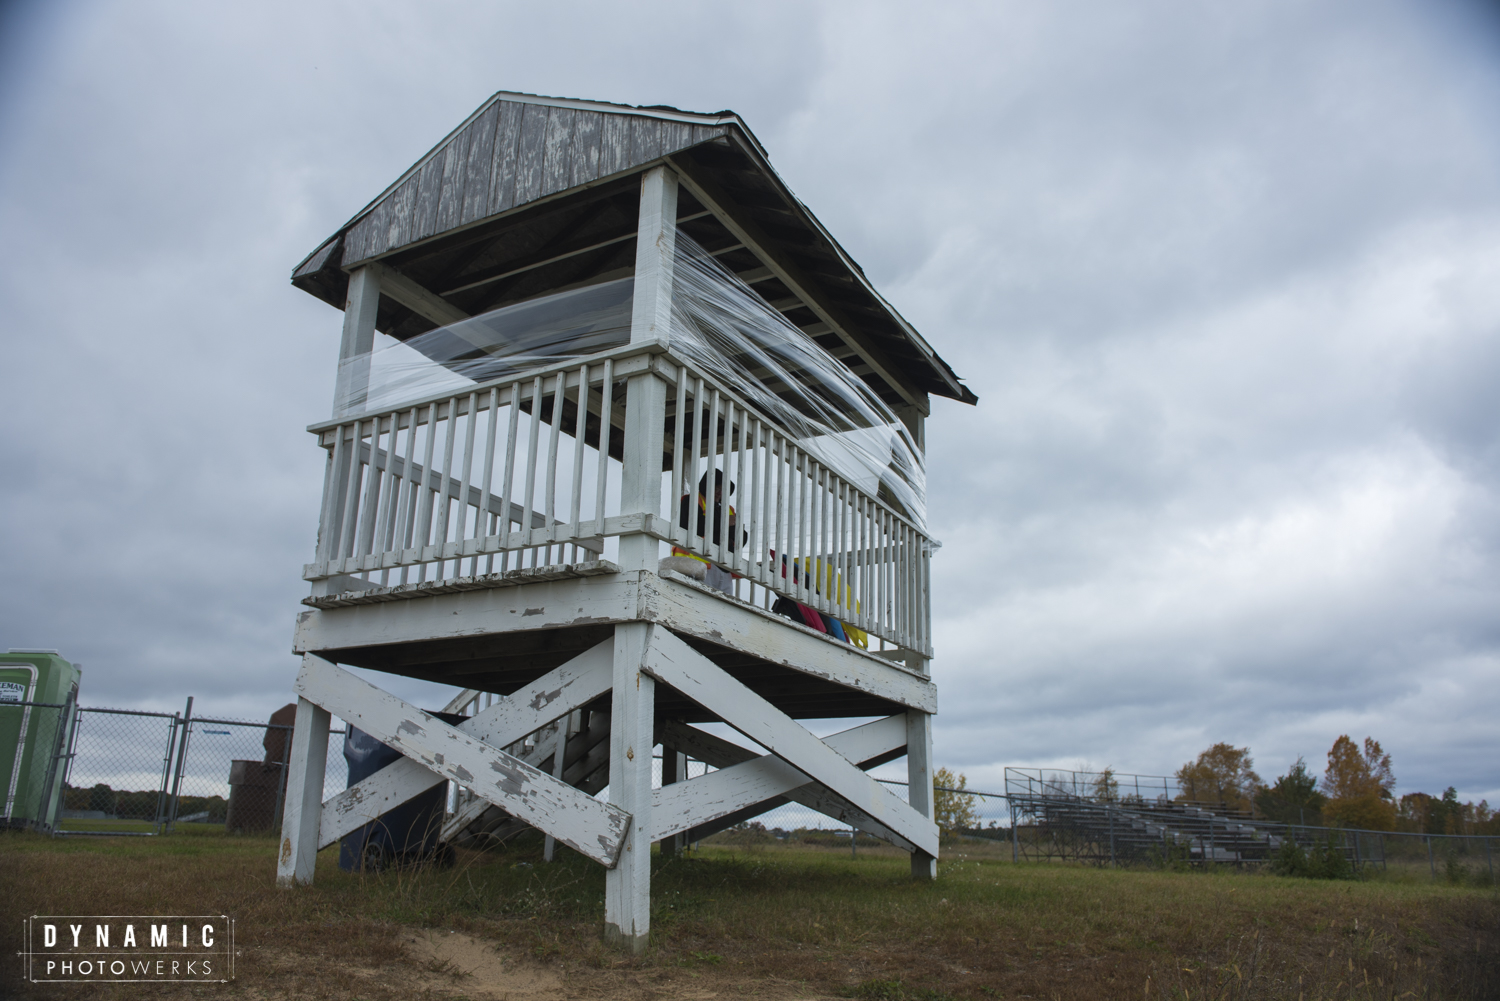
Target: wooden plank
(414,297)
(684,805)
(530,154)
(429,188)
(403,205)
(614,144)
(675,136)
(451,199)
(557,156)
(645,140)
(481,162)
(547,605)
(555,694)
(303,807)
(503,166)
(588,129)
(723,620)
(674,663)
(597,830)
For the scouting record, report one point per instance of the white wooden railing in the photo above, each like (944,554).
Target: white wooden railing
(499,477)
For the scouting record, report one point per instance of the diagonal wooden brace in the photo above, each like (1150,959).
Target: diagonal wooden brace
(590,827)
(672,662)
(745,779)
(555,694)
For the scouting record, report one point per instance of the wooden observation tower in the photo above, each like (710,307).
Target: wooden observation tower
(622,442)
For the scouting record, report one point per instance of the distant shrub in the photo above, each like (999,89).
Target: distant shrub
(1326,860)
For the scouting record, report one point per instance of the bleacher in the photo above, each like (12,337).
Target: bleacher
(1072,815)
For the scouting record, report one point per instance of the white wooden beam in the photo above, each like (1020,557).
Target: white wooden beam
(727,621)
(673,662)
(627,887)
(424,302)
(576,683)
(684,805)
(353,385)
(655,254)
(595,829)
(646,395)
(548,605)
(303,805)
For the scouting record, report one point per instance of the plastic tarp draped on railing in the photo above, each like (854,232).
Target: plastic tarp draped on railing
(720,326)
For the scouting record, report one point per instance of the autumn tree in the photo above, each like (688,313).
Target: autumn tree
(1222,775)
(1293,798)
(1360,786)
(1106,786)
(952,810)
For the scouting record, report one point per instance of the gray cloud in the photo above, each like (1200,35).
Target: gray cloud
(1226,280)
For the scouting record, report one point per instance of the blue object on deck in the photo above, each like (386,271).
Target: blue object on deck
(407,835)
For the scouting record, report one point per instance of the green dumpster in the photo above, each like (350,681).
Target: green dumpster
(38,690)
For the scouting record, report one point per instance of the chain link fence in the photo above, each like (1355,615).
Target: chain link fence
(131,772)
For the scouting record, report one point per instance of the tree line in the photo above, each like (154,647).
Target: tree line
(1357,790)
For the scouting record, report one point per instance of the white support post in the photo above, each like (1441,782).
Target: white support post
(627,887)
(646,395)
(919,783)
(655,252)
(303,811)
(358,341)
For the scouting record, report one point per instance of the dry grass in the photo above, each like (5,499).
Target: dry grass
(778,922)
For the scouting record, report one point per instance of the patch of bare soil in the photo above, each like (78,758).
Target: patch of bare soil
(441,963)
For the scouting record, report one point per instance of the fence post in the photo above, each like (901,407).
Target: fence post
(166,773)
(187,731)
(1015,836)
(1111,835)
(1489,860)
(1431,864)
(72,751)
(46,818)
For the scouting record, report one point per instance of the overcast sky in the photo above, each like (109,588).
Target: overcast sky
(1226,279)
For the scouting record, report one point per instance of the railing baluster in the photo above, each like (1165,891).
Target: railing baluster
(327,535)
(840,552)
(694,541)
(407,500)
(506,484)
(351,499)
(364,541)
(424,515)
(680,424)
(460,532)
(554,435)
(749,497)
(606,424)
(484,520)
(720,537)
(440,535)
(575,506)
(385,533)
(529,500)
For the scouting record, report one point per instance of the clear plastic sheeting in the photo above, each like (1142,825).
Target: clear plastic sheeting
(493,345)
(723,327)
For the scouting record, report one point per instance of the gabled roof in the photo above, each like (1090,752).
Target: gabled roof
(503,169)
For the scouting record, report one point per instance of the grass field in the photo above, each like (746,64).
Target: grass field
(768,921)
